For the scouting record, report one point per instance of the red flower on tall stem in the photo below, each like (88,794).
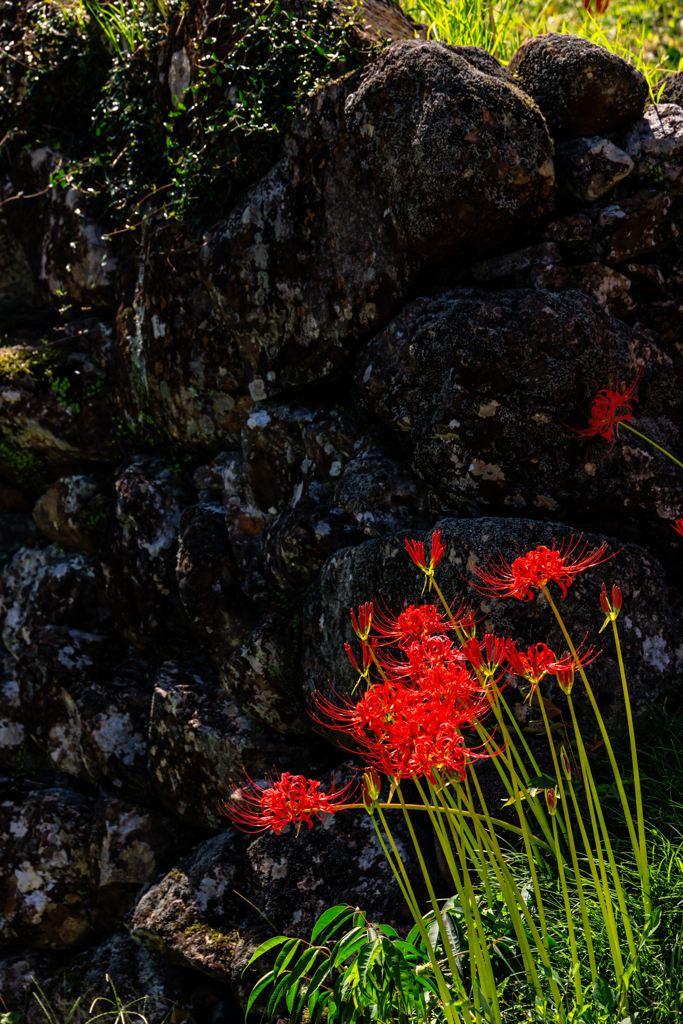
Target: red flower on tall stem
(289,799)
(416,550)
(609,409)
(536,569)
(413,623)
(600,5)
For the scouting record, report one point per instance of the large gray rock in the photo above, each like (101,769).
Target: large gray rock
(200,742)
(655,144)
(581,88)
(73,863)
(139,554)
(86,704)
(418,159)
(46,586)
(484,384)
(208,582)
(381,570)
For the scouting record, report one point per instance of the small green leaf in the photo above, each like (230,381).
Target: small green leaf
(258,988)
(285,955)
(604,996)
(266,946)
(331,917)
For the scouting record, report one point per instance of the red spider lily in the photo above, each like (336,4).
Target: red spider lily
(678,526)
(532,665)
(610,608)
(566,764)
(289,799)
(609,409)
(363,623)
(368,650)
(600,5)
(486,655)
(537,569)
(551,800)
(416,550)
(412,624)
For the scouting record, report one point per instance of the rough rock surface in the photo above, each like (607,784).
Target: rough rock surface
(55,413)
(588,168)
(655,144)
(20,302)
(632,227)
(483,384)
(46,586)
(261,676)
(86,703)
(139,553)
(208,582)
(581,88)
(72,513)
(291,878)
(673,90)
(515,262)
(378,165)
(381,570)
(199,742)
(605,285)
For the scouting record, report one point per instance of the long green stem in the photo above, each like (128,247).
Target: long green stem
(645,877)
(570,925)
(650,441)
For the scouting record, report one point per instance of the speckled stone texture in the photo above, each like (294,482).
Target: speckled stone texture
(139,553)
(200,742)
(48,587)
(581,88)
(655,144)
(381,570)
(588,168)
(87,703)
(485,384)
(72,513)
(392,176)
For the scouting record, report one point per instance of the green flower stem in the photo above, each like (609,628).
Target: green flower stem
(512,895)
(645,877)
(520,736)
(432,896)
(401,876)
(451,811)
(570,924)
(642,864)
(480,964)
(650,441)
(578,881)
(595,812)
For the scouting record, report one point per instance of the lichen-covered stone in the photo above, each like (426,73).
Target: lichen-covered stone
(381,492)
(200,742)
(581,88)
(46,586)
(484,385)
(381,177)
(45,887)
(655,144)
(55,413)
(208,582)
(673,89)
(381,570)
(262,679)
(72,513)
(605,285)
(139,553)
(588,168)
(86,703)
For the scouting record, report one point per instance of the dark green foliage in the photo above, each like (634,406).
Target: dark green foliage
(111,115)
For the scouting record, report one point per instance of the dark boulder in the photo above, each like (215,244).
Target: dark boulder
(139,553)
(72,513)
(588,168)
(581,88)
(417,159)
(484,384)
(655,144)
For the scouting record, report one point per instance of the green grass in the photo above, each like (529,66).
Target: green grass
(647,34)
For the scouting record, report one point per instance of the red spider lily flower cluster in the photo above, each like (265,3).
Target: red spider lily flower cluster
(416,550)
(536,569)
(539,661)
(289,799)
(609,409)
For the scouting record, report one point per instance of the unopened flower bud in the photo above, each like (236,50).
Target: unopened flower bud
(371,788)
(566,764)
(610,608)
(551,800)
(564,673)
(362,623)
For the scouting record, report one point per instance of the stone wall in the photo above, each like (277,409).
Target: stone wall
(225,445)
